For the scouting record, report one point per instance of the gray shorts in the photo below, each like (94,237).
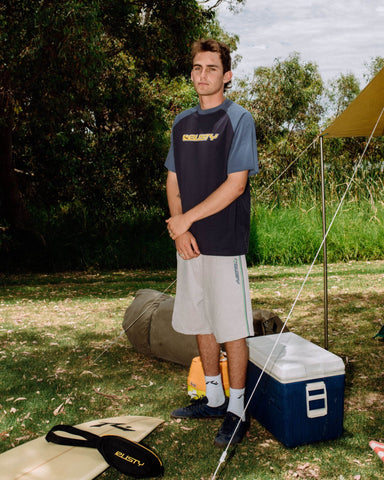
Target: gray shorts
(212,296)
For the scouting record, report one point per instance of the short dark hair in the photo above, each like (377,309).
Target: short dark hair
(210,45)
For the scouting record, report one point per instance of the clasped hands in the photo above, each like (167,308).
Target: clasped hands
(177,225)
(178,228)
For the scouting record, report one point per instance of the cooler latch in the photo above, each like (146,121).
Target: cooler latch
(316,396)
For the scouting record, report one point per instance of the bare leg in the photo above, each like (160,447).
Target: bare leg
(237,354)
(232,429)
(209,351)
(210,357)
(214,404)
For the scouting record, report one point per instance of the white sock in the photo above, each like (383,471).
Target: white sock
(236,402)
(214,390)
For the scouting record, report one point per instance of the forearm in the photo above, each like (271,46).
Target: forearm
(223,196)
(173,195)
(186,243)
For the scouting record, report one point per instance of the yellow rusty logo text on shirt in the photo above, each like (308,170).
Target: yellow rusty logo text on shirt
(199,137)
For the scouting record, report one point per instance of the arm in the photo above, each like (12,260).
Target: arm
(173,194)
(186,243)
(223,196)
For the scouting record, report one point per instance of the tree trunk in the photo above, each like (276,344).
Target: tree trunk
(12,205)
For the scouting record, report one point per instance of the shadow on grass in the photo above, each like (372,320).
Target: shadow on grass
(82,286)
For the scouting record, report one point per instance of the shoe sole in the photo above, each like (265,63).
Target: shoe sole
(221,444)
(225,444)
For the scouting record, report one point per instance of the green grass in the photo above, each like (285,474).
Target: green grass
(63,360)
(292,236)
(280,235)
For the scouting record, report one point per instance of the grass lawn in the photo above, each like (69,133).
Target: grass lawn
(64,359)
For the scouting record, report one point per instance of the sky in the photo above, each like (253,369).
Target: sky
(340,36)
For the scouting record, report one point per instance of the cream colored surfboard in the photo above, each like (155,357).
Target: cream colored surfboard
(41,460)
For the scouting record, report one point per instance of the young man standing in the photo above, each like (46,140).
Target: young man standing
(213,152)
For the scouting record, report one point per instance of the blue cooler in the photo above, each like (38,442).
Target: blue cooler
(300,397)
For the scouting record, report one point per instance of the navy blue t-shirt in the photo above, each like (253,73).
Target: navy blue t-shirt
(206,146)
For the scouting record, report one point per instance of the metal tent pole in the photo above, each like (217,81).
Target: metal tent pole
(325,265)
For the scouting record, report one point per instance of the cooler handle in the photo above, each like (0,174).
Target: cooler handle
(310,397)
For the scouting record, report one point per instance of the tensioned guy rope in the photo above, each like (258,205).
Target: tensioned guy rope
(357,165)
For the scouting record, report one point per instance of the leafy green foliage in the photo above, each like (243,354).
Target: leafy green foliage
(283,98)
(374,66)
(343,90)
(89,89)
(88,94)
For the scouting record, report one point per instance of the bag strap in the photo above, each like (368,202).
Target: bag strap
(88,439)
(127,456)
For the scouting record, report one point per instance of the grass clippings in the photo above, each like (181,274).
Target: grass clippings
(64,359)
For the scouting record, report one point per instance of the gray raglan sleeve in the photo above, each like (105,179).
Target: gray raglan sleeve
(243,152)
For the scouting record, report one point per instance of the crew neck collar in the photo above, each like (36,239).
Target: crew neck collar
(212,110)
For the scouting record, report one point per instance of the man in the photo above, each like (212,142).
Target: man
(213,152)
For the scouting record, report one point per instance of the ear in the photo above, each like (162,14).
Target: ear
(228,76)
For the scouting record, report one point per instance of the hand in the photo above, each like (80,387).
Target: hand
(177,225)
(186,246)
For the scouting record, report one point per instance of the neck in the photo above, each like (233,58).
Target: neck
(211,101)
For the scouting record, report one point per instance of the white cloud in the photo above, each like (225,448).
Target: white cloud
(340,36)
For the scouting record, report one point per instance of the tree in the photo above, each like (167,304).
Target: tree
(342,91)
(50,55)
(285,97)
(233,5)
(285,100)
(84,88)
(374,66)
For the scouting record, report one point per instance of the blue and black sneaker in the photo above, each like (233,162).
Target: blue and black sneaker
(234,427)
(199,409)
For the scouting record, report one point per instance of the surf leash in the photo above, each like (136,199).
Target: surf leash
(126,456)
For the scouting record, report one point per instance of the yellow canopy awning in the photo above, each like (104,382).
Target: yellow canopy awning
(361,115)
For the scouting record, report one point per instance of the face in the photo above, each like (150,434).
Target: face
(207,74)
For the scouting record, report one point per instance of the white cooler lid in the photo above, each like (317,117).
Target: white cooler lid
(294,358)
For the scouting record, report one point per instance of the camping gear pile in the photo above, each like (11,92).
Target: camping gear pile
(148,325)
